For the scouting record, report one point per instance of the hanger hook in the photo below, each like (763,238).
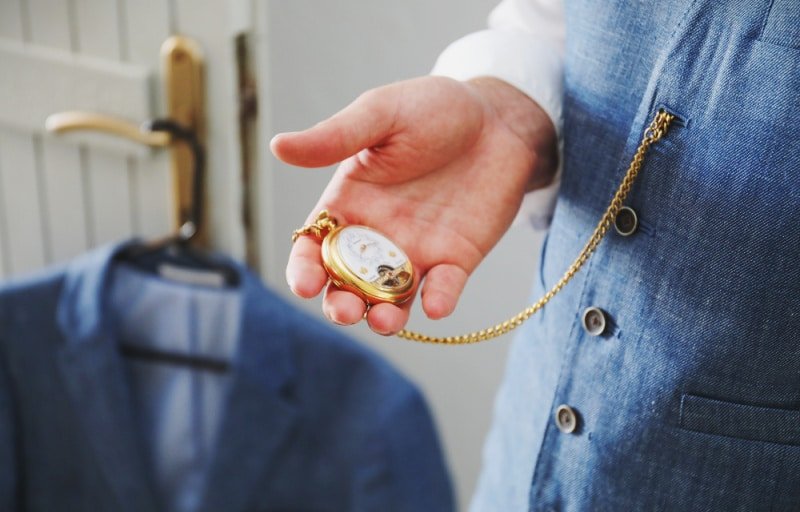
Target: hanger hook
(191,227)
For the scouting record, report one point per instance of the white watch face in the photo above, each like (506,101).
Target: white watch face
(372,256)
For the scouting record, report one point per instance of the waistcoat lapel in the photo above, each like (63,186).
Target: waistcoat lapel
(94,378)
(260,414)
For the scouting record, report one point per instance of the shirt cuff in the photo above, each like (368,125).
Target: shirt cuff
(538,205)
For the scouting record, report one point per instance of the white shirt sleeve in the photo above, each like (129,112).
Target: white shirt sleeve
(523,46)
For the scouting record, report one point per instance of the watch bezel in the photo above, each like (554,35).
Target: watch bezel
(345,278)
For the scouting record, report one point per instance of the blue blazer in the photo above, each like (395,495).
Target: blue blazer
(314,421)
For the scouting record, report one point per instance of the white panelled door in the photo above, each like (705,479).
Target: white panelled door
(60,196)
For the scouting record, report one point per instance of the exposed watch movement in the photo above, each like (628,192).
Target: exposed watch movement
(368,264)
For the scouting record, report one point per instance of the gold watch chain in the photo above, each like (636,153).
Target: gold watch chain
(654,132)
(319,229)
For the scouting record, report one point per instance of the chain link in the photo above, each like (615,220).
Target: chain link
(318,229)
(654,132)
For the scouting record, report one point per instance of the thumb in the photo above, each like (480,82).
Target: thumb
(364,123)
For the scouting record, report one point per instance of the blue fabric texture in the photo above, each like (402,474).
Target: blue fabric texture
(690,401)
(312,421)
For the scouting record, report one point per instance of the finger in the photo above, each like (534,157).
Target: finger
(442,289)
(304,272)
(342,307)
(362,124)
(388,319)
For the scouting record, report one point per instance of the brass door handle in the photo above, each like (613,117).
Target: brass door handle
(76,120)
(183,131)
(157,133)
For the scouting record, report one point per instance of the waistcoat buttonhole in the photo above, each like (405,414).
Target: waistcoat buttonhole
(681,119)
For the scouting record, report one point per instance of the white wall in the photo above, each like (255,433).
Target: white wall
(314,58)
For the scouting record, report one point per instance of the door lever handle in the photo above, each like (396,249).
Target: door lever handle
(183,131)
(76,120)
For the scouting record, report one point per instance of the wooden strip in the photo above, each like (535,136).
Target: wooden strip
(60,161)
(147,26)
(23,245)
(49,22)
(97,25)
(10,28)
(40,195)
(39,81)
(151,179)
(21,203)
(5,269)
(63,178)
(109,197)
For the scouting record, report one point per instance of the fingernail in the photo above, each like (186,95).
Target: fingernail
(292,285)
(334,320)
(330,316)
(382,332)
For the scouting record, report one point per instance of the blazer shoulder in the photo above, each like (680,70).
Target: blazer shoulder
(38,281)
(36,292)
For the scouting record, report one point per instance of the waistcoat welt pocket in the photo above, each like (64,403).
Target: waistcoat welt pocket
(782,24)
(741,421)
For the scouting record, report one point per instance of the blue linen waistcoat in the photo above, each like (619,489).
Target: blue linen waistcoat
(690,401)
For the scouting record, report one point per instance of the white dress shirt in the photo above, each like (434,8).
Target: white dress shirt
(524,46)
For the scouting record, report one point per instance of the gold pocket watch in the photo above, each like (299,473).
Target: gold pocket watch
(363,261)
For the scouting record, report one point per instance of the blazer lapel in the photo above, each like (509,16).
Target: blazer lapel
(256,427)
(260,414)
(95,379)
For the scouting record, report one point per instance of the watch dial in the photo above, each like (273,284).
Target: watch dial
(373,257)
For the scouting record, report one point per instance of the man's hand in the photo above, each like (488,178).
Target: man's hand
(438,165)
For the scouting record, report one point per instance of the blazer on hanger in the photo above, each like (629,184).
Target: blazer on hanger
(312,422)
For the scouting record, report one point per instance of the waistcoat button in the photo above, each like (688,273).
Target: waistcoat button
(566,419)
(626,221)
(594,321)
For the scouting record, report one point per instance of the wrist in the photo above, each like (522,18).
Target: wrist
(527,120)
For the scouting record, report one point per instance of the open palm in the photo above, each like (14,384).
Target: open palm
(434,164)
